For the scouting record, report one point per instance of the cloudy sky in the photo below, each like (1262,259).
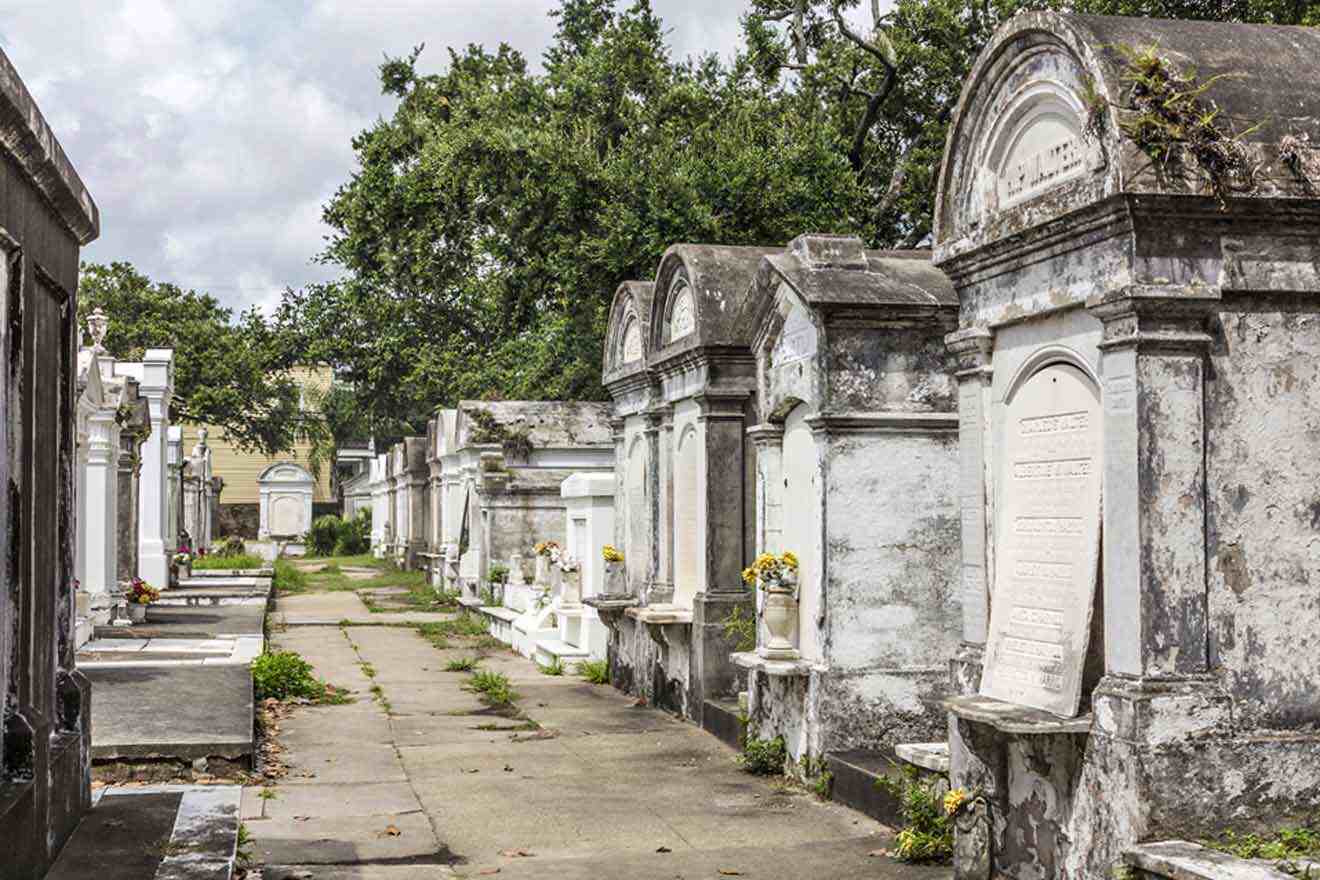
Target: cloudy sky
(210,132)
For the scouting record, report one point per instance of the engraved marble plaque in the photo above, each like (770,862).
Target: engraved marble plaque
(1047,542)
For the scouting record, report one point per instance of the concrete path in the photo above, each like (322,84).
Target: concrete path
(331,609)
(421,781)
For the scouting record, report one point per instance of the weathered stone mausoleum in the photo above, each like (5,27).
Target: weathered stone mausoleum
(502,477)
(857,463)
(680,371)
(1139,396)
(46,214)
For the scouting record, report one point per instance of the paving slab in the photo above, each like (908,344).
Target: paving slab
(181,712)
(594,795)
(192,622)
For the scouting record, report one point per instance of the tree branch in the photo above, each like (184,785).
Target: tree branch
(895,188)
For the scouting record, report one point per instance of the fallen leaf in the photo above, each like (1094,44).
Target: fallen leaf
(878,852)
(473,770)
(663,849)
(391,831)
(729,872)
(516,854)
(489,871)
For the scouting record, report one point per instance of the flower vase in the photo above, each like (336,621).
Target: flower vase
(542,571)
(570,595)
(556,582)
(616,579)
(137,612)
(779,611)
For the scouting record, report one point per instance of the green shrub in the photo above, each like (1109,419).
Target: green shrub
(353,536)
(323,535)
(740,629)
(764,757)
(493,688)
(281,675)
(927,835)
(594,671)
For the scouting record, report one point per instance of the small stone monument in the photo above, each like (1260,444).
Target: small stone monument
(286,490)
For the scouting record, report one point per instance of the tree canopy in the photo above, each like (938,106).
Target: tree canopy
(228,371)
(494,214)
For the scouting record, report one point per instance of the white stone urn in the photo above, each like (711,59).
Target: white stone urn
(616,578)
(570,594)
(779,610)
(542,575)
(137,612)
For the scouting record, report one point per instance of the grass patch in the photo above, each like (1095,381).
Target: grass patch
(243,855)
(1283,847)
(554,667)
(212,562)
(764,757)
(421,596)
(284,675)
(462,664)
(594,671)
(493,688)
(288,578)
(522,727)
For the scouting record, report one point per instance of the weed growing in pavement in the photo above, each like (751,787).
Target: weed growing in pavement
(554,667)
(764,757)
(367,669)
(288,578)
(267,794)
(493,688)
(595,671)
(462,664)
(379,694)
(283,675)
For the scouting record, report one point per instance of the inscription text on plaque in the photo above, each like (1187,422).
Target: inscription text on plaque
(1047,540)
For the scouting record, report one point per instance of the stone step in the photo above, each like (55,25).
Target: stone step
(856,773)
(500,619)
(932,756)
(723,720)
(175,832)
(550,650)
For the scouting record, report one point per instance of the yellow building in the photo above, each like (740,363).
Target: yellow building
(240,500)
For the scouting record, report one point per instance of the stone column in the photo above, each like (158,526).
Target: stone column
(972,351)
(130,467)
(100,509)
(769,441)
(157,386)
(659,432)
(724,421)
(1154,357)
(618,435)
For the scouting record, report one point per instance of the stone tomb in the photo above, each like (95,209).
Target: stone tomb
(857,464)
(682,379)
(157,506)
(46,215)
(448,498)
(588,527)
(286,502)
(1132,343)
(410,504)
(381,531)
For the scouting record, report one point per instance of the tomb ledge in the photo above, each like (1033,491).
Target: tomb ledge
(754,662)
(1182,860)
(1012,718)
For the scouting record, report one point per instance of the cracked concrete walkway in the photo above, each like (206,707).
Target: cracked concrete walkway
(415,783)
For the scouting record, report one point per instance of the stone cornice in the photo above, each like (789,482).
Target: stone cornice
(26,136)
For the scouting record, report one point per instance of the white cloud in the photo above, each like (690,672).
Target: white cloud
(210,133)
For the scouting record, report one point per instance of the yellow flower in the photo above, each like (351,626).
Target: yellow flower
(749,576)
(906,840)
(611,553)
(954,800)
(790,560)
